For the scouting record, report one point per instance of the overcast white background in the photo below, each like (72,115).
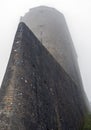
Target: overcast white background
(78,17)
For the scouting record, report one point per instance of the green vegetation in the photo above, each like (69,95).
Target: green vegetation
(87,123)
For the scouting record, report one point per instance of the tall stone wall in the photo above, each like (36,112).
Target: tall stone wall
(50,28)
(38,94)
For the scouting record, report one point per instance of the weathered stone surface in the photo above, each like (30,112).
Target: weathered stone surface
(50,27)
(36,93)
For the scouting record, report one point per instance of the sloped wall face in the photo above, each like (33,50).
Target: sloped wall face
(50,28)
(39,95)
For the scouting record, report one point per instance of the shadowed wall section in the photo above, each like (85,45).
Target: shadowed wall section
(50,27)
(37,93)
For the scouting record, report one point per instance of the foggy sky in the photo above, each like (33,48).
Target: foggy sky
(78,18)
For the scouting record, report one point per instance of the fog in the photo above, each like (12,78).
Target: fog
(78,18)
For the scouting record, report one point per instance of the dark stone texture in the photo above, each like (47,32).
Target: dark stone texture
(49,26)
(36,93)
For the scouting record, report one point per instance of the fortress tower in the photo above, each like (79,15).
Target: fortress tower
(42,87)
(50,27)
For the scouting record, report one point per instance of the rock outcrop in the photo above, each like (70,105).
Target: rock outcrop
(37,93)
